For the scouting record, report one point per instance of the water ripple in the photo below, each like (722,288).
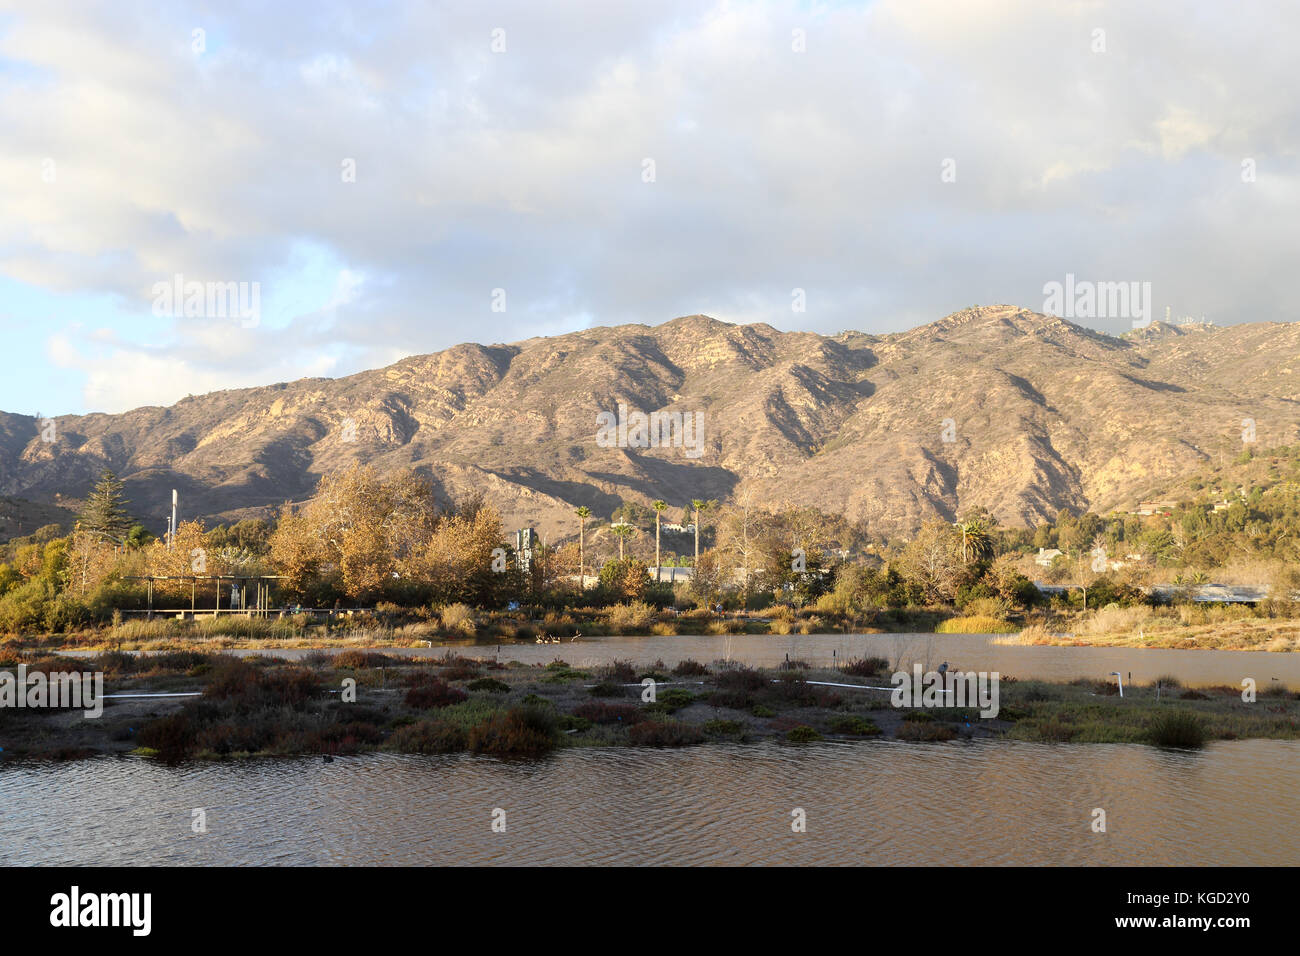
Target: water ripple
(865,803)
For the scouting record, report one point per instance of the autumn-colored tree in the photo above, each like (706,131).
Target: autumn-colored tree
(360,529)
(707,578)
(743,539)
(933,560)
(461,561)
(188,557)
(91,559)
(625,579)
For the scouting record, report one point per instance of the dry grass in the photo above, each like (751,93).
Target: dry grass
(1034,634)
(459,619)
(634,618)
(1113,619)
(974,624)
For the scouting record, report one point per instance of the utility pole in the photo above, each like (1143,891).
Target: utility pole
(171,532)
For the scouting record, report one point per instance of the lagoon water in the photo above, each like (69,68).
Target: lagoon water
(874,802)
(870,802)
(965,652)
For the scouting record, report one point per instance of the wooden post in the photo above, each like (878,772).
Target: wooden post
(150,614)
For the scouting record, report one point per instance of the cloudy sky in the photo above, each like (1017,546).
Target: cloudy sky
(606,162)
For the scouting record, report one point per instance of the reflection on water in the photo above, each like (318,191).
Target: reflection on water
(967,652)
(867,803)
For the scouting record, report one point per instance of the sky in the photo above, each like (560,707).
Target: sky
(393,179)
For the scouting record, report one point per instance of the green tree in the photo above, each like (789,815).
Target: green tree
(105,515)
(660,506)
(583,514)
(699,504)
(975,540)
(622,532)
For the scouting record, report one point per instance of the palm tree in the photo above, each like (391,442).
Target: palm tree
(583,514)
(974,538)
(622,532)
(699,504)
(659,506)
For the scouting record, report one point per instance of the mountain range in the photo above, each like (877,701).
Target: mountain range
(995,406)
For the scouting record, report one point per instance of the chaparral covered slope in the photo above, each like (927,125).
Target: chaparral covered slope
(995,406)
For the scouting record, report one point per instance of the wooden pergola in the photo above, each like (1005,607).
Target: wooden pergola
(260,606)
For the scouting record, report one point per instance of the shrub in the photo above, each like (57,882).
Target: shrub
(606,689)
(724,728)
(925,732)
(600,712)
(866,666)
(427,737)
(854,725)
(352,659)
(674,699)
(231,677)
(793,691)
(664,733)
(435,693)
(173,737)
(293,686)
(458,618)
(631,618)
(458,668)
(23,608)
(975,625)
(490,684)
(1113,618)
(741,678)
(1177,728)
(521,732)
(689,668)
(1055,730)
(803,734)
(994,607)
(734,699)
(562,675)
(621,672)
(234,737)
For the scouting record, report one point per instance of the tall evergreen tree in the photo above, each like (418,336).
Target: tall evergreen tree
(105,514)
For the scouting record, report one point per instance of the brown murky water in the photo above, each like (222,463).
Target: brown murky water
(965,652)
(873,802)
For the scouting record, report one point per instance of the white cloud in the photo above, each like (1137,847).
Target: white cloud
(522,170)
